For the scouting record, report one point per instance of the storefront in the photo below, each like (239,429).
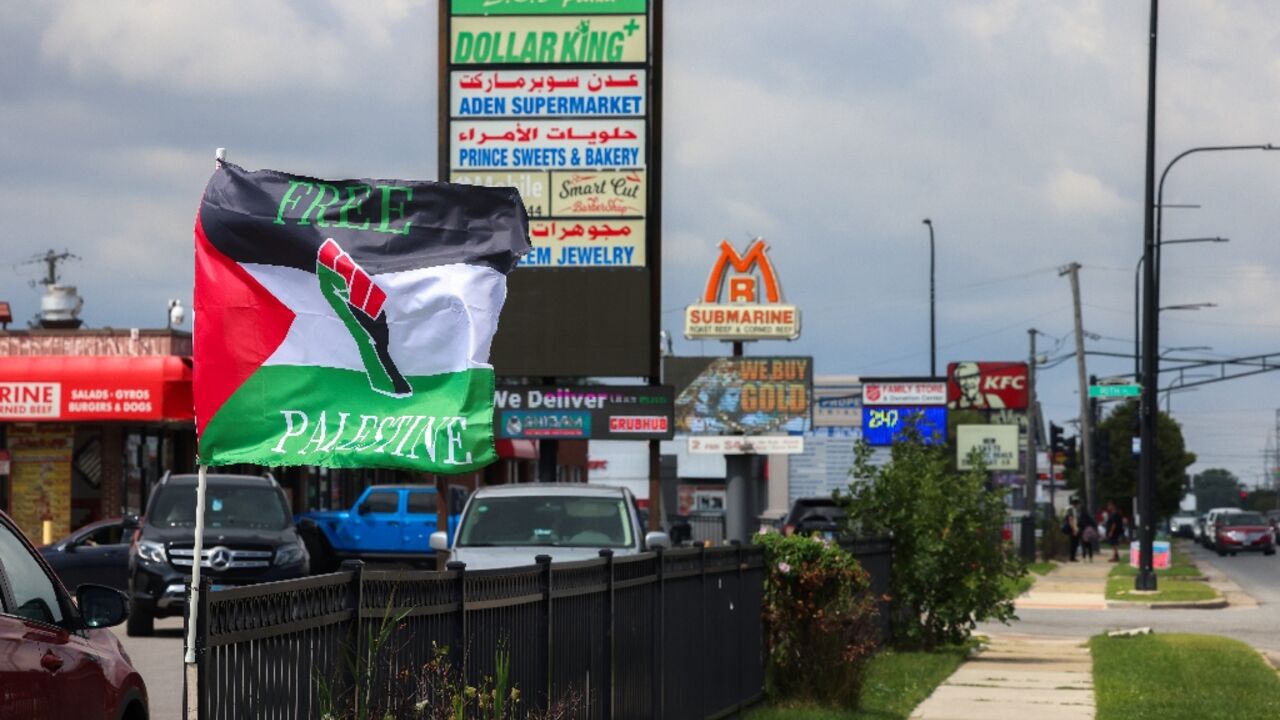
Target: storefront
(88,432)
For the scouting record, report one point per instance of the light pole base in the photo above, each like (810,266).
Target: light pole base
(1146,581)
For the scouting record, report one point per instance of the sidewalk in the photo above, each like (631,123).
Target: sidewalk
(1018,677)
(1070,586)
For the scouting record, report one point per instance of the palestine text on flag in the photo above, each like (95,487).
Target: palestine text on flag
(348,323)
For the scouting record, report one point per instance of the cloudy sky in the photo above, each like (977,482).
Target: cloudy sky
(830,127)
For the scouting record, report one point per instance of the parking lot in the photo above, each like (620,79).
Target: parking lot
(159,659)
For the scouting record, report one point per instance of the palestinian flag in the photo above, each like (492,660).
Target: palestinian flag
(347,323)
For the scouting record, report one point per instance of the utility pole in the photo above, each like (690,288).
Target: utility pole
(1033,424)
(1086,427)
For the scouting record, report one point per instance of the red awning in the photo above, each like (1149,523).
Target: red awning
(145,388)
(517,449)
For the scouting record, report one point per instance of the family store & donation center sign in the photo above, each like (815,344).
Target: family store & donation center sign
(551,97)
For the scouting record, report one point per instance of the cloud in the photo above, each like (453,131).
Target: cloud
(227,48)
(1071,192)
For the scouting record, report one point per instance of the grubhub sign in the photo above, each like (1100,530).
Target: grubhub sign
(742,300)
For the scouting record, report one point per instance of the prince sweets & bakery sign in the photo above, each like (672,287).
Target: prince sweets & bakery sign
(742,300)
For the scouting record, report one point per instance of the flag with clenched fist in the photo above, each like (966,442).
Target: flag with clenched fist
(347,323)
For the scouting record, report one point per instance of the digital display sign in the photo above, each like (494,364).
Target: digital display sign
(882,426)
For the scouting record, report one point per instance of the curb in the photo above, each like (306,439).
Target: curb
(1217,604)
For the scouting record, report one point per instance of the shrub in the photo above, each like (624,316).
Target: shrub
(950,568)
(820,619)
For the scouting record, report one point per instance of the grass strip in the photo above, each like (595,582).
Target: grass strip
(1169,590)
(1181,677)
(896,683)
(1041,568)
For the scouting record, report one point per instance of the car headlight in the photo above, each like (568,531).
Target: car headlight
(290,554)
(151,551)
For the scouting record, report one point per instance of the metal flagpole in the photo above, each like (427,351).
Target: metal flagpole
(193,604)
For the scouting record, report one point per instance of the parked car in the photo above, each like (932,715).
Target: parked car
(1182,524)
(1273,517)
(814,514)
(1197,530)
(97,553)
(1211,524)
(508,525)
(387,522)
(57,659)
(249,537)
(1244,532)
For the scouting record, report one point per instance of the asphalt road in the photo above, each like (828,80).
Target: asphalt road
(1259,626)
(159,660)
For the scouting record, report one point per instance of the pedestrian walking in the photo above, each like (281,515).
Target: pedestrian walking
(1071,526)
(1114,528)
(1088,538)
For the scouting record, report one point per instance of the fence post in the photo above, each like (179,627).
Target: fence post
(545,562)
(355,600)
(606,683)
(457,653)
(702,621)
(1029,538)
(657,681)
(202,643)
(735,604)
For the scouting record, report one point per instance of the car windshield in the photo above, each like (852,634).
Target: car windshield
(557,520)
(1237,519)
(236,506)
(815,511)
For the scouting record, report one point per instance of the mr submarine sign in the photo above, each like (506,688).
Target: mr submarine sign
(742,300)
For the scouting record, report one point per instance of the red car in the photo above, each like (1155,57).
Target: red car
(1244,532)
(57,659)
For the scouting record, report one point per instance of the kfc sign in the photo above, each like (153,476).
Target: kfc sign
(742,300)
(987,386)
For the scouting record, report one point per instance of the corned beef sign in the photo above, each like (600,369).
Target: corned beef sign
(753,308)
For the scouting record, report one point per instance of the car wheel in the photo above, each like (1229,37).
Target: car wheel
(1221,553)
(1270,551)
(1233,554)
(140,623)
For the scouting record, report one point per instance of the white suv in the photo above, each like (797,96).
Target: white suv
(1211,522)
(509,525)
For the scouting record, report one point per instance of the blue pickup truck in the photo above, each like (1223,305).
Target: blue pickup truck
(387,522)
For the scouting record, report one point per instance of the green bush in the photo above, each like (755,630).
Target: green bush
(820,616)
(950,567)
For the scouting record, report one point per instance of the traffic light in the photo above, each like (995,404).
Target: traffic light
(1055,439)
(1069,448)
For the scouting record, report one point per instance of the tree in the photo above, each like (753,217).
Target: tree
(950,567)
(1216,488)
(1120,484)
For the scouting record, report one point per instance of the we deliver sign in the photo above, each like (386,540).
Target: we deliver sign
(597,412)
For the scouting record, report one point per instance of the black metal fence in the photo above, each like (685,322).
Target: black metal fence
(675,635)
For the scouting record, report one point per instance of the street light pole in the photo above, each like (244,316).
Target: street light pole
(933,326)
(1137,352)
(1146,578)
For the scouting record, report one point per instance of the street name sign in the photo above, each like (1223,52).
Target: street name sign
(1114,391)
